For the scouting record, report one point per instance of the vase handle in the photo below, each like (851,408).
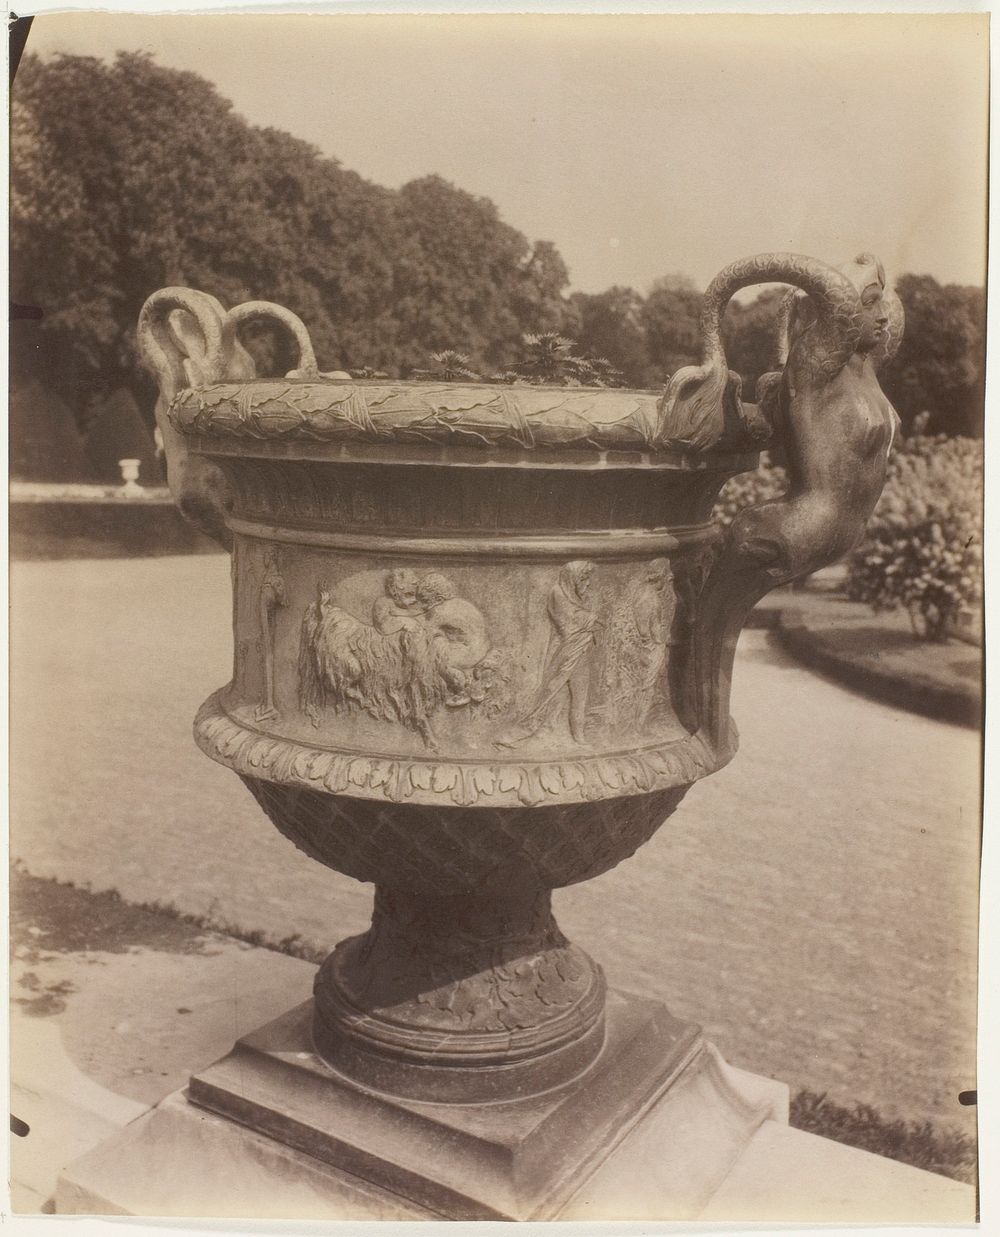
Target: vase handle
(836,429)
(188,340)
(291,325)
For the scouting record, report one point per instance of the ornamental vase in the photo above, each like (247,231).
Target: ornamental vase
(483,642)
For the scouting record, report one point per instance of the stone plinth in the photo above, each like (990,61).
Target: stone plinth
(658,1117)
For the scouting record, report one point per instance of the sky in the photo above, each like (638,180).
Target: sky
(642,146)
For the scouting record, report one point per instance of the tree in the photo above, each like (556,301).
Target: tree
(324,245)
(750,336)
(128,176)
(467,280)
(45,444)
(540,302)
(611,326)
(670,317)
(940,365)
(84,128)
(155,181)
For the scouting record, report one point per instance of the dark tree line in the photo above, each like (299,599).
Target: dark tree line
(129,176)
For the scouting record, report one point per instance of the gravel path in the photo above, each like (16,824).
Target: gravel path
(813,906)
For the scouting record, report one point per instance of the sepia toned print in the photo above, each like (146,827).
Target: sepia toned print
(495,563)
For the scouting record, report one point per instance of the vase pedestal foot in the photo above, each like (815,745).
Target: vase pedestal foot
(460,999)
(515,1159)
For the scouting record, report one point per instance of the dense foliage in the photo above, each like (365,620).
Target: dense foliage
(940,367)
(923,546)
(128,176)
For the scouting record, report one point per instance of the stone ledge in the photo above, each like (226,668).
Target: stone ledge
(179,1160)
(789,1176)
(80,1075)
(209,1166)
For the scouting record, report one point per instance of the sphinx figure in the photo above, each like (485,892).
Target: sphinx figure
(830,416)
(836,425)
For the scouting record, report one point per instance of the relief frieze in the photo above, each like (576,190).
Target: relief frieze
(419,650)
(424,648)
(637,646)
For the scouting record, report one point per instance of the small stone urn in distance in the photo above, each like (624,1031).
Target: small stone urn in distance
(483,644)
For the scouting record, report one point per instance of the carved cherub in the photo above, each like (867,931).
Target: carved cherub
(398,609)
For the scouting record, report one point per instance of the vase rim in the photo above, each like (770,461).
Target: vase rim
(473,417)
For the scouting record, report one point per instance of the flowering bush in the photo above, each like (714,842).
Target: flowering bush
(750,488)
(923,545)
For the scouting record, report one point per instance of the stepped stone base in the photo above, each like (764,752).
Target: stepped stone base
(271,1131)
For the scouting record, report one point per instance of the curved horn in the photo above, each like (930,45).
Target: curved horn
(292,325)
(181,357)
(160,334)
(769,383)
(693,407)
(783,324)
(835,297)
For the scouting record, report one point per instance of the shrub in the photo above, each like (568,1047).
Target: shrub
(549,358)
(750,488)
(923,546)
(448,366)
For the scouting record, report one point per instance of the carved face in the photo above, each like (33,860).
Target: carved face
(434,588)
(580,575)
(401,586)
(874,317)
(660,574)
